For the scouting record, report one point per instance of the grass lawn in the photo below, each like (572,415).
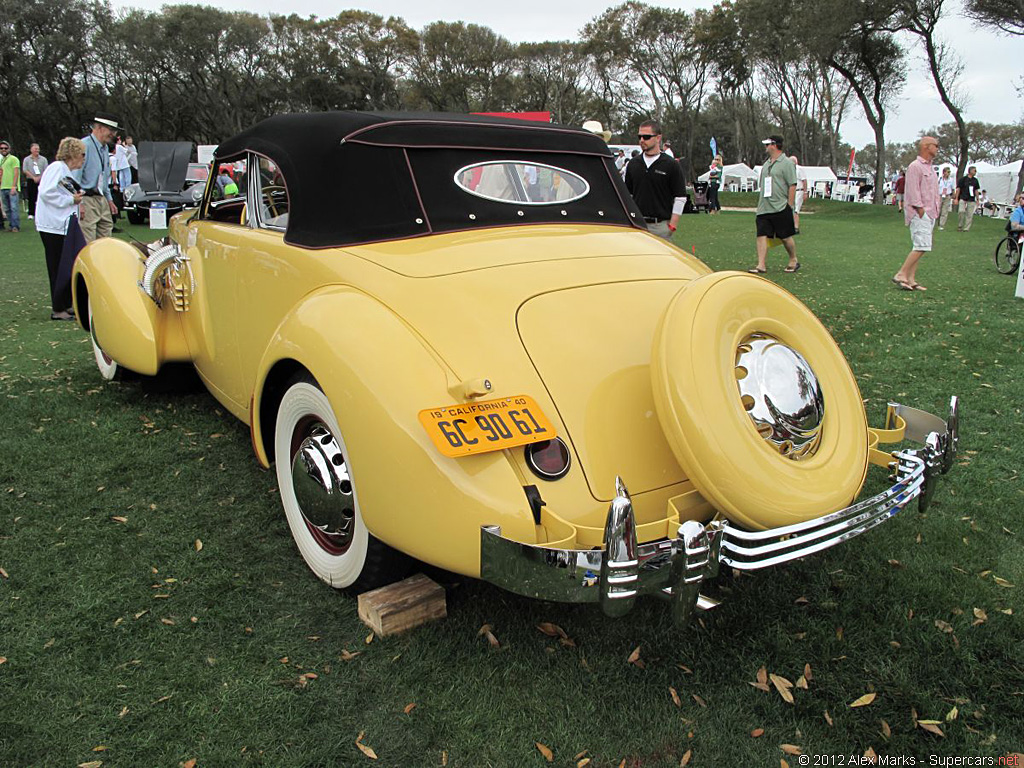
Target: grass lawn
(123,643)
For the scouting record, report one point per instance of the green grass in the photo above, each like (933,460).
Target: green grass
(89,661)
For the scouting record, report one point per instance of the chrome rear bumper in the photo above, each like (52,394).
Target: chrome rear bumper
(675,568)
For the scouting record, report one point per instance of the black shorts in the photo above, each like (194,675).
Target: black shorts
(778,225)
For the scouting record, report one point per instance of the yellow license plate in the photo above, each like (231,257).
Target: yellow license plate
(489,425)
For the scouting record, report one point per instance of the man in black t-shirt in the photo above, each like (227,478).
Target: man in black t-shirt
(967,196)
(656,182)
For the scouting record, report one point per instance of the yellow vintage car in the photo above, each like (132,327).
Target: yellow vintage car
(458,344)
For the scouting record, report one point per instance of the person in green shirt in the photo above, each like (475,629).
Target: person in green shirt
(775,205)
(9,185)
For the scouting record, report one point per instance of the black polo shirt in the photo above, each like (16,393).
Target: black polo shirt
(655,189)
(968,188)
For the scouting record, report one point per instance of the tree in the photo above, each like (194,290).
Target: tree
(920,17)
(855,40)
(461,68)
(1004,15)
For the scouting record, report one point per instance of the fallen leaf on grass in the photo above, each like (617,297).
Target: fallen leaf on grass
(100,748)
(548,755)
(199,545)
(582,763)
(944,626)
(91,764)
(791,749)
(685,669)
(675,696)
(49,643)
(762,680)
(369,638)
(1002,582)
(807,673)
(886,730)
(189,763)
(409,708)
(686,758)
(828,717)
(801,682)
(368,751)
(162,699)
(124,711)
(168,622)
(932,726)
(485,630)
(952,715)
(119,519)
(699,700)
(757,733)
(802,601)
(864,700)
(4,573)
(580,755)
(634,657)
(869,753)
(782,685)
(551,630)
(140,614)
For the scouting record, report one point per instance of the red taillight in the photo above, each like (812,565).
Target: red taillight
(549,460)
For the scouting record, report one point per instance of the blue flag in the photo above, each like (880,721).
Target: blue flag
(714,147)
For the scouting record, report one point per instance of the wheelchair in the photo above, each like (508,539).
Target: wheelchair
(1008,253)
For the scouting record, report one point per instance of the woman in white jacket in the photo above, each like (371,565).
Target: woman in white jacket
(59,197)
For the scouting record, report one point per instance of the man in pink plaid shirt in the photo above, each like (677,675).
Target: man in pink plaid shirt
(920,210)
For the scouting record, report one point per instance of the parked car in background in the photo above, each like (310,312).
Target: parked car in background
(456,341)
(167,179)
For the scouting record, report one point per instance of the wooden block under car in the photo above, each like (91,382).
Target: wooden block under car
(402,605)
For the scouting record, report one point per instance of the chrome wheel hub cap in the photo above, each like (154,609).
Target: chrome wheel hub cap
(781,394)
(323,488)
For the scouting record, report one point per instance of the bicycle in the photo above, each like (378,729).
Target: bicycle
(1008,254)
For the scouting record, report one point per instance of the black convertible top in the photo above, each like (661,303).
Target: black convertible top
(357,177)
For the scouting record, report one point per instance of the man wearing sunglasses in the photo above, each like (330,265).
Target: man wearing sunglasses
(656,182)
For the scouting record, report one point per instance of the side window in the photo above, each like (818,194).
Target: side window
(273,197)
(227,195)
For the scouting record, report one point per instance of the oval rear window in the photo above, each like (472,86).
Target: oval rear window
(519,183)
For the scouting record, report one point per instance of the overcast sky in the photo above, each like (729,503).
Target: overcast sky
(993,62)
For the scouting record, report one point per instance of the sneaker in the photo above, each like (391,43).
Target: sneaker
(15,229)
(941,228)
(31,216)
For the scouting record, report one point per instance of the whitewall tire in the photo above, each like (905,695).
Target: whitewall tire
(108,367)
(318,492)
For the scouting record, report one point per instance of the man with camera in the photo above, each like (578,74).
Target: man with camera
(97,208)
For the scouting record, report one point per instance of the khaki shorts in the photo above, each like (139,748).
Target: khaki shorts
(921,233)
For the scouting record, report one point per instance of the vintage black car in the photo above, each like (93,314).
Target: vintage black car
(166,180)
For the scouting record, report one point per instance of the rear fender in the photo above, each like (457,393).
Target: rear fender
(378,375)
(130,327)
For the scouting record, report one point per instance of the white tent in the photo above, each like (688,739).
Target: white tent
(739,174)
(999,182)
(818,174)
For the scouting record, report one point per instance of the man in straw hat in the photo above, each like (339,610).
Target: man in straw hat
(97,209)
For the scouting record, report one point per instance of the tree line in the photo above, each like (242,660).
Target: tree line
(736,71)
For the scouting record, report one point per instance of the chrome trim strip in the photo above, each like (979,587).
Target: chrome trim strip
(676,568)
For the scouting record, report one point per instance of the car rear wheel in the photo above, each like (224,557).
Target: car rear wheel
(319,495)
(757,402)
(136,217)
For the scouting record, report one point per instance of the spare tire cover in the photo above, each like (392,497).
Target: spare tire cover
(694,371)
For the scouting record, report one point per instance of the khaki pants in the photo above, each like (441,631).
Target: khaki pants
(947,206)
(660,229)
(95,219)
(966,214)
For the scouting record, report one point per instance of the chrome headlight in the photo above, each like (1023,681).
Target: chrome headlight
(131,192)
(197,192)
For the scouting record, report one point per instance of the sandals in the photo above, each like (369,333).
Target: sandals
(756,271)
(794,268)
(905,286)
